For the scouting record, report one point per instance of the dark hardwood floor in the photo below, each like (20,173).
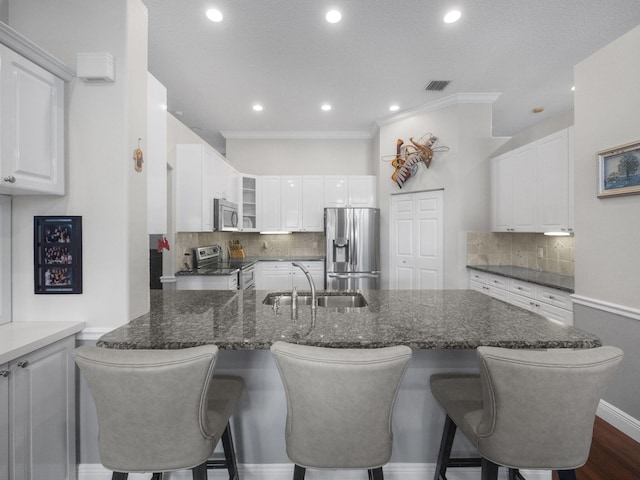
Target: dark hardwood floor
(614,456)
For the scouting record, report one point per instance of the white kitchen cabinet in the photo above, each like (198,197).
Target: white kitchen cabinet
(291,203)
(249,203)
(270,210)
(195,172)
(349,191)
(39,394)
(207,282)
(283,276)
(316,270)
(5,259)
(224,179)
(532,186)
(32,134)
(549,302)
(4,420)
(156,156)
(513,177)
(274,276)
(555,182)
(312,203)
(493,285)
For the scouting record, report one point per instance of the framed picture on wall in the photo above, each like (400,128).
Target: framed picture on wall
(57,252)
(619,171)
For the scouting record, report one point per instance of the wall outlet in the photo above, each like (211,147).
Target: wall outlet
(540,252)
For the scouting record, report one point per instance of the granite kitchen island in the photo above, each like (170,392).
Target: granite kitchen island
(421,319)
(442,327)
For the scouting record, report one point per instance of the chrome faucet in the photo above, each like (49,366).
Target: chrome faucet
(311,284)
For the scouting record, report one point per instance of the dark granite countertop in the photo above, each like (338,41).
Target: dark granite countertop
(547,279)
(423,319)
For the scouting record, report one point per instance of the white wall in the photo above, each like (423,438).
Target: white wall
(463,172)
(302,156)
(607,106)
(104,122)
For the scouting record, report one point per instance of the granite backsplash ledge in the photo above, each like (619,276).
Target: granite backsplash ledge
(535,251)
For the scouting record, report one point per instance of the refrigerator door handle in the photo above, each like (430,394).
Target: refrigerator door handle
(375,274)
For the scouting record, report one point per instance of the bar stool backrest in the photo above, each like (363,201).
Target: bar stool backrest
(340,403)
(150,406)
(539,405)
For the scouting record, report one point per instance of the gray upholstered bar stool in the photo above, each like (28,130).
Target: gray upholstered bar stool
(160,410)
(530,409)
(339,405)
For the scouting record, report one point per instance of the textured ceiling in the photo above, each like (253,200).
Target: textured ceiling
(284,55)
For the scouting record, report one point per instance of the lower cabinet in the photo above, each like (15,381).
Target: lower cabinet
(37,414)
(207,282)
(282,275)
(549,302)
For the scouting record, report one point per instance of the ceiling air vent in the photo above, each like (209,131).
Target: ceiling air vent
(437,85)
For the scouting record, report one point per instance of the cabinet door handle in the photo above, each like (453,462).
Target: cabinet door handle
(23,363)
(10,179)
(4,373)
(551,297)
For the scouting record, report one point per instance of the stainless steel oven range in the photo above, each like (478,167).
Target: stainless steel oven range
(211,258)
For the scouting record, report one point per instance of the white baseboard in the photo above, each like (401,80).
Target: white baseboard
(284,471)
(620,420)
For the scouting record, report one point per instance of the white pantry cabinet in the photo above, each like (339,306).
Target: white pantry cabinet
(32,134)
(532,186)
(38,392)
(349,191)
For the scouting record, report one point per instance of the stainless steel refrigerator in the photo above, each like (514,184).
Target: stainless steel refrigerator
(352,241)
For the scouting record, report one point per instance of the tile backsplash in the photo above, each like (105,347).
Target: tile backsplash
(308,244)
(530,250)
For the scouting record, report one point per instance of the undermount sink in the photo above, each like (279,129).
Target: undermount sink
(323,299)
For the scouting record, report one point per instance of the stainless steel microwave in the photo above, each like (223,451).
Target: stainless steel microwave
(225,216)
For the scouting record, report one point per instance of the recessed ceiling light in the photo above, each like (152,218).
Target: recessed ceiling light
(214,15)
(257,107)
(333,16)
(326,107)
(394,108)
(573,89)
(452,16)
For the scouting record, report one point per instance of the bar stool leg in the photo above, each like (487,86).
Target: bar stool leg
(446,443)
(298,472)
(376,474)
(489,470)
(230,453)
(199,472)
(567,474)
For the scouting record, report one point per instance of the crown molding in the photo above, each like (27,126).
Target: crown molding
(455,99)
(298,135)
(29,50)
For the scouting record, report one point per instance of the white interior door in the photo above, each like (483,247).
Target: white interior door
(417,241)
